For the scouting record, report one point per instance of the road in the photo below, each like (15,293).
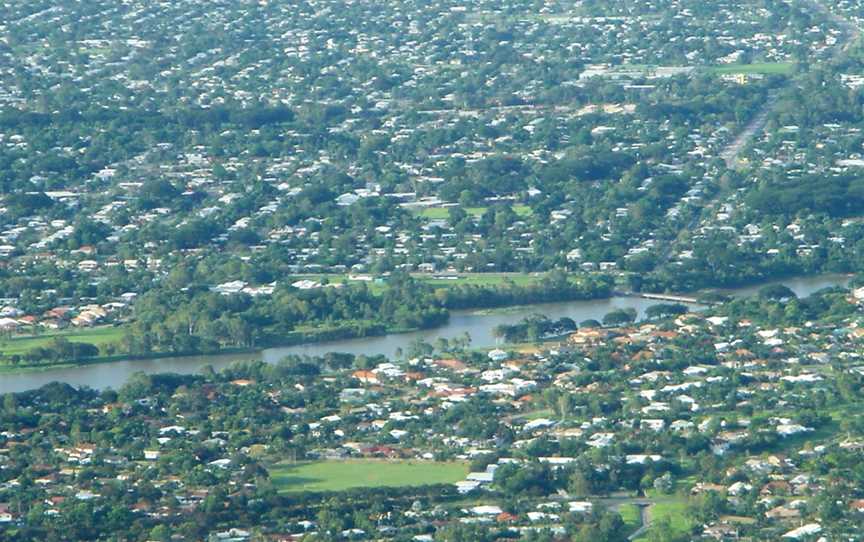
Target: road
(645,516)
(732,152)
(730,155)
(851,33)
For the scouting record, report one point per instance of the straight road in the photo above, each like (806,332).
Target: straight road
(732,152)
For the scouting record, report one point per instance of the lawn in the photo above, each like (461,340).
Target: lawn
(342,475)
(768,68)
(440,213)
(96,336)
(481,279)
(630,514)
(675,510)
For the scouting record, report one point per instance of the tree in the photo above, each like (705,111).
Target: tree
(161,533)
(26,204)
(461,532)
(420,348)
(88,232)
(10,404)
(154,193)
(661,531)
(578,485)
(707,507)
(776,292)
(619,317)
(565,405)
(331,521)
(456,215)
(665,484)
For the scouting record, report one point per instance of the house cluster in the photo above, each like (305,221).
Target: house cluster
(16,321)
(421,110)
(638,401)
(725,400)
(795,150)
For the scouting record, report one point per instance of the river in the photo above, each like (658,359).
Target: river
(478,324)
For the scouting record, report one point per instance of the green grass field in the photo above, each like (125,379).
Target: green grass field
(767,68)
(440,213)
(674,510)
(96,336)
(482,279)
(630,514)
(342,475)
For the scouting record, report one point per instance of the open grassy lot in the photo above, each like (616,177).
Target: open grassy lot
(439,213)
(630,514)
(342,475)
(96,336)
(768,68)
(481,279)
(673,510)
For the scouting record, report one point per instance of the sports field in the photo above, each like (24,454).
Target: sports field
(342,475)
(439,213)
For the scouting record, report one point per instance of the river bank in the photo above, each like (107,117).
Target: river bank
(23,368)
(477,324)
(290,339)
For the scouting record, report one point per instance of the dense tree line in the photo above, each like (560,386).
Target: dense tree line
(836,196)
(196,319)
(534,328)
